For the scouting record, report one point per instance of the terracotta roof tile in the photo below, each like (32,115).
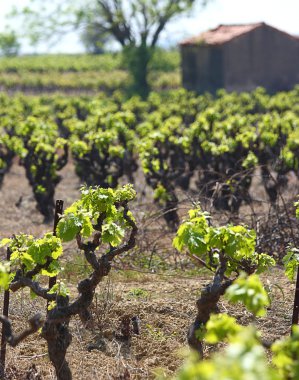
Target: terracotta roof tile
(221,34)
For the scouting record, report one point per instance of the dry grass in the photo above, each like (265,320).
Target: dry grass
(165,308)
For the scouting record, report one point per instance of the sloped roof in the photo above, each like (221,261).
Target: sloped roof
(221,34)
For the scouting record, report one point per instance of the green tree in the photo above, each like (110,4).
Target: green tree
(93,43)
(135,24)
(9,44)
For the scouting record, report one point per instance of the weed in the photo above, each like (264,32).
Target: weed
(156,333)
(137,293)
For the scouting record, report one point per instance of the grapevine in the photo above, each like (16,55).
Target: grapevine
(103,227)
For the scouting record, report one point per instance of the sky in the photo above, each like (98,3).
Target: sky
(283,15)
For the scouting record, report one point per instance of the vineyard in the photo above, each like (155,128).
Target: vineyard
(172,143)
(179,225)
(83,73)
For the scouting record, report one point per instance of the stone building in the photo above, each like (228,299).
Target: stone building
(240,58)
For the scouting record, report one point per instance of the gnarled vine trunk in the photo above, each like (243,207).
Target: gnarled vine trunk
(207,304)
(58,340)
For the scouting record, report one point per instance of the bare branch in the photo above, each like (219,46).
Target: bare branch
(34,286)
(116,22)
(200,262)
(35,323)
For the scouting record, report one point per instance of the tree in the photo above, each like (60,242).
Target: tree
(9,44)
(93,43)
(135,24)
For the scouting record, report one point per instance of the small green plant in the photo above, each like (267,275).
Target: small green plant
(156,333)
(137,293)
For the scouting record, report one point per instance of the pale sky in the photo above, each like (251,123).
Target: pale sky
(283,15)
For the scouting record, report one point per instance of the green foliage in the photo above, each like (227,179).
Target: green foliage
(286,355)
(156,333)
(263,263)
(137,293)
(243,359)
(193,233)
(221,327)
(251,161)
(73,223)
(43,153)
(9,44)
(61,64)
(4,275)
(106,72)
(249,291)
(174,135)
(42,255)
(291,262)
(112,234)
(237,243)
(161,194)
(60,289)
(103,147)
(92,41)
(165,61)
(82,215)
(138,58)
(27,252)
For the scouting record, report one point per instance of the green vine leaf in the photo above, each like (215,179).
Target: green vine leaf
(291,262)
(250,291)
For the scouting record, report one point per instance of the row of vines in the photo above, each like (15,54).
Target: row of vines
(77,73)
(210,146)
